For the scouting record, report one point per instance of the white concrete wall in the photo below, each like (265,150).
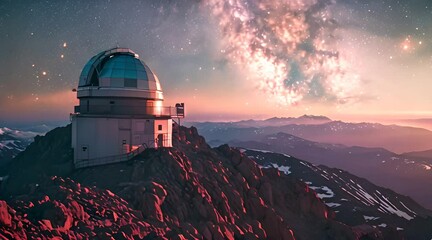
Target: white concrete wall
(99,135)
(103,137)
(74,140)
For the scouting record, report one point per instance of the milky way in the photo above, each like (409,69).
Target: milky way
(289,48)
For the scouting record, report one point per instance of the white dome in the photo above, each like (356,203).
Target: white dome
(119,68)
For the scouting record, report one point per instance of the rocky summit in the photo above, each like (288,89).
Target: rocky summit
(190,191)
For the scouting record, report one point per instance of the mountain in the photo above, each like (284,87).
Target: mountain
(12,142)
(405,174)
(40,128)
(354,200)
(271,122)
(421,123)
(395,138)
(190,191)
(426,155)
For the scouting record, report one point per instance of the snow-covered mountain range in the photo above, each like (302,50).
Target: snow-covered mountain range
(13,142)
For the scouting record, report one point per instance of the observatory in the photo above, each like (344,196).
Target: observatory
(120,111)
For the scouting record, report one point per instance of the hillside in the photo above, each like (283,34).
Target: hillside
(354,200)
(406,174)
(190,191)
(426,155)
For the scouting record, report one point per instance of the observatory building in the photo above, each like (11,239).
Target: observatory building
(120,111)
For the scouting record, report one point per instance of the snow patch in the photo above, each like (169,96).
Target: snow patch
(427,167)
(366,196)
(408,208)
(370,218)
(389,207)
(327,192)
(333,205)
(284,169)
(258,150)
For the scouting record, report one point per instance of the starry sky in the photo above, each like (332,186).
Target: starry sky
(227,60)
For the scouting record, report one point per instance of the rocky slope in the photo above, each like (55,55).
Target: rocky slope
(62,208)
(190,191)
(354,200)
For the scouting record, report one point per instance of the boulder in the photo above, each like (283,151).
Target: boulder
(5,217)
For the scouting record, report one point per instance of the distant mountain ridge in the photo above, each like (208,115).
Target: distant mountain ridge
(422,122)
(274,121)
(398,139)
(427,154)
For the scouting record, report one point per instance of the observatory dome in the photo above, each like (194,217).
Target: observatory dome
(119,68)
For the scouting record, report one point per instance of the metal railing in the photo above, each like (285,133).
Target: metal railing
(110,159)
(130,110)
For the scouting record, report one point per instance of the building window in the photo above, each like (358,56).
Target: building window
(132,83)
(160,127)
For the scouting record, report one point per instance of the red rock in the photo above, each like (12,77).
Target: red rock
(68,223)
(46,224)
(5,217)
(228,234)
(151,206)
(110,193)
(77,210)
(179,237)
(107,223)
(59,216)
(258,230)
(114,216)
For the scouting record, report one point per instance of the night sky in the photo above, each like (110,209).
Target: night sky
(226,60)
